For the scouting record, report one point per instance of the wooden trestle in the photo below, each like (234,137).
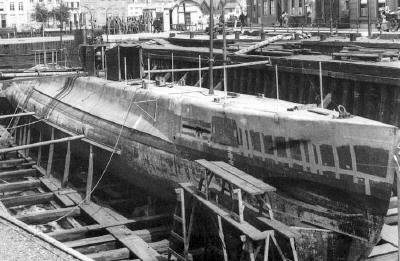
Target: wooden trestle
(232,182)
(95,230)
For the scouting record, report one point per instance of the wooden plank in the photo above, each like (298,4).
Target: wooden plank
(243,175)
(48,215)
(11,163)
(2,117)
(244,227)
(94,143)
(244,185)
(23,185)
(280,227)
(55,187)
(40,144)
(111,255)
(28,200)
(18,173)
(90,241)
(133,242)
(75,233)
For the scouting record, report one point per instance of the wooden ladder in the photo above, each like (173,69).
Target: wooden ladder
(178,240)
(180,233)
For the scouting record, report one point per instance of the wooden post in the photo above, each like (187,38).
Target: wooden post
(89,175)
(320,85)
(102,58)
(105,70)
(238,195)
(141,63)
(148,67)
(266,249)
(119,64)
(67,165)
(39,156)
(65,59)
(28,139)
(52,57)
(51,154)
(183,216)
(35,59)
(222,238)
(200,71)
(276,81)
(20,132)
(126,76)
(172,67)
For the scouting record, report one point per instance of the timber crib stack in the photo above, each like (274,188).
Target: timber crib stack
(387,248)
(92,223)
(366,54)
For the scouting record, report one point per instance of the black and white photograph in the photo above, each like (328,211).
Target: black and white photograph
(199,130)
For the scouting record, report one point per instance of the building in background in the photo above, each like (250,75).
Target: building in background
(14,14)
(189,15)
(343,13)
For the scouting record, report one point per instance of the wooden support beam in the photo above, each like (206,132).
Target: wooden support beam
(23,185)
(116,254)
(51,155)
(218,86)
(244,227)
(89,181)
(39,155)
(18,173)
(90,241)
(182,80)
(28,200)
(28,140)
(2,117)
(67,165)
(11,163)
(75,233)
(39,144)
(49,215)
(94,143)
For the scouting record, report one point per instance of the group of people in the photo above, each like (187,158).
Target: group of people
(388,20)
(143,23)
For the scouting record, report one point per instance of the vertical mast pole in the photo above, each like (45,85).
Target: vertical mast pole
(210,71)
(224,46)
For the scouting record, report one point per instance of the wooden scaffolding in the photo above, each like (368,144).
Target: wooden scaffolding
(233,184)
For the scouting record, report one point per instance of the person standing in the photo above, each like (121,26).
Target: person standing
(242,19)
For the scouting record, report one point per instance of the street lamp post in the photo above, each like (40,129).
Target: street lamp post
(369,18)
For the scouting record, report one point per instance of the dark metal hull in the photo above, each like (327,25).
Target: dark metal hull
(160,141)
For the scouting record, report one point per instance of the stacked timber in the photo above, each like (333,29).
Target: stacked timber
(366,54)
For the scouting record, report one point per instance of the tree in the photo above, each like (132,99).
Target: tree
(41,14)
(61,12)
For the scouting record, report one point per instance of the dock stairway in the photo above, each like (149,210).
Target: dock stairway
(222,190)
